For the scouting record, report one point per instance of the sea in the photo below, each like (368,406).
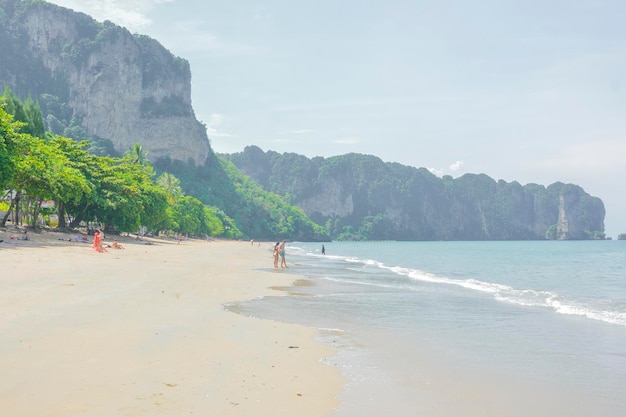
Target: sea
(497,328)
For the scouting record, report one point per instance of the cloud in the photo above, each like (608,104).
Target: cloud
(131,14)
(212,126)
(347,141)
(456,166)
(435,171)
(215,119)
(183,36)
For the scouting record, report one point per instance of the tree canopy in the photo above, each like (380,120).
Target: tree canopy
(119,193)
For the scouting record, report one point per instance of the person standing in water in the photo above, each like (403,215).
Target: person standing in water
(275,254)
(281,249)
(323,250)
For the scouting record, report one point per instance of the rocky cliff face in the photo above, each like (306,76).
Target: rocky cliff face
(574,217)
(364,197)
(120,87)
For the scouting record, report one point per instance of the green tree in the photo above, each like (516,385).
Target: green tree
(27,112)
(188,213)
(73,183)
(156,213)
(34,119)
(212,225)
(12,105)
(122,189)
(8,148)
(95,170)
(42,171)
(171,186)
(137,154)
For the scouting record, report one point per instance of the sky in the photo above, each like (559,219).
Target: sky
(529,91)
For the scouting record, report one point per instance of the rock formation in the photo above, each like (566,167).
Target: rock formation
(361,196)
(114,85)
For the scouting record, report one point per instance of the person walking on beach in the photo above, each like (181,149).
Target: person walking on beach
(281,249)
(323,250)
(275,254)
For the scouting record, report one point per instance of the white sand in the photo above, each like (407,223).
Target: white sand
(143,332)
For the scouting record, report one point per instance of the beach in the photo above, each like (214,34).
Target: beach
(143,331)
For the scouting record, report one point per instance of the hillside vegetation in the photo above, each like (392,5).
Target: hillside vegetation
(363,198)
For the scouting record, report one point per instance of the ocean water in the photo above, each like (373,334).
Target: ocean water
(524,328)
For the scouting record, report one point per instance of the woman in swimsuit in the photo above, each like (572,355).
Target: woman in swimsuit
(275,254)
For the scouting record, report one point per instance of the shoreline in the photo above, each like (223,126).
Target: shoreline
(144,331)
(433,349)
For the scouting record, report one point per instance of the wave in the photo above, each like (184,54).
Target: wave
(523,297)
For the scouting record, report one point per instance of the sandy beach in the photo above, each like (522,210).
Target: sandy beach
(143,332)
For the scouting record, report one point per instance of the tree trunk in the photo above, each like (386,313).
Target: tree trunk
(16,203)
(6,216)
(76,221)
(61,214)
(36,208)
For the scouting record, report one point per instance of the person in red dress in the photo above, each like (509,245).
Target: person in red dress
(96,239)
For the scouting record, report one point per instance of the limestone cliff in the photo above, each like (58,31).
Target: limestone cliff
(100,80)
(362,197)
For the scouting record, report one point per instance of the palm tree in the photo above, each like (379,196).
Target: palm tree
(171,185)
(137,154)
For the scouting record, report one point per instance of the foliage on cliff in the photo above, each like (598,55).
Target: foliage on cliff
(360,197)
(260,214)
